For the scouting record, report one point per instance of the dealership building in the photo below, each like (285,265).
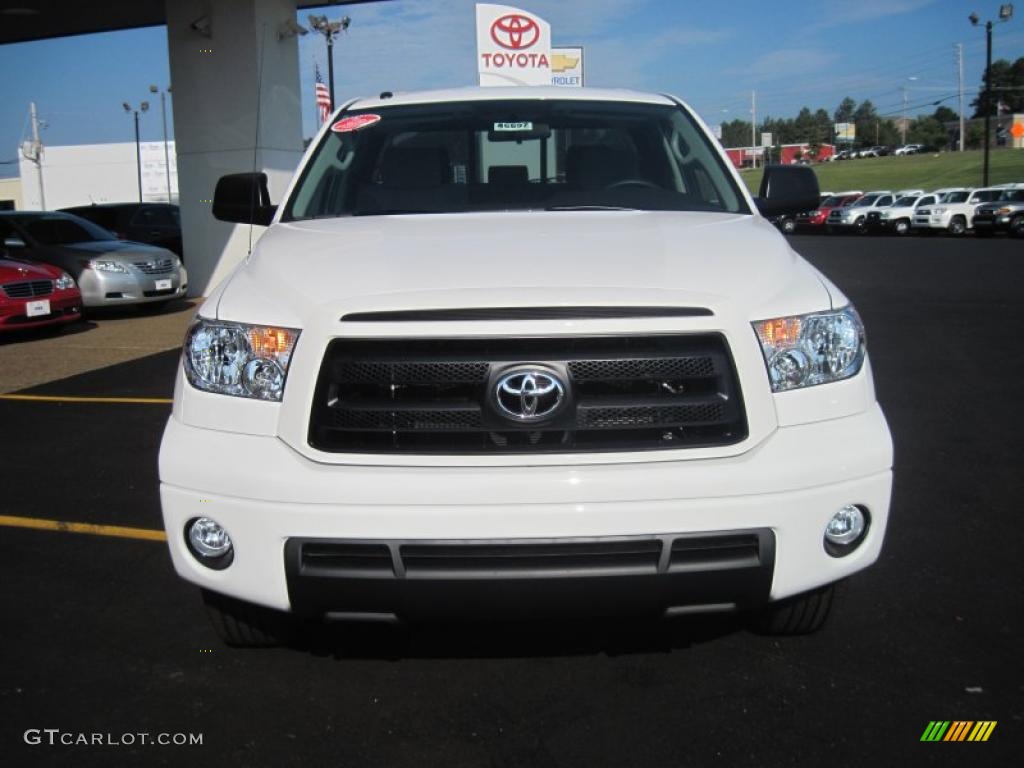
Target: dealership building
(99,173)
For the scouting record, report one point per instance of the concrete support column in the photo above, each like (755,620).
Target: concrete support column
(218,49)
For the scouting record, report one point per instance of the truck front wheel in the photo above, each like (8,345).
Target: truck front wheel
(245,625)
(798,615)
(957,226)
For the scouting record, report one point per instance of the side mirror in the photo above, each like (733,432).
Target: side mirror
(787,190)
(244,199)
(13,242)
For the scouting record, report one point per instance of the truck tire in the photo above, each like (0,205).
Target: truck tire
(957,226)
(244,625)
(1017,226)
(860,226)
(901,227)
(798,615)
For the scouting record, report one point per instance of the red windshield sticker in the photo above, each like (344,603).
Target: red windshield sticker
(349,124)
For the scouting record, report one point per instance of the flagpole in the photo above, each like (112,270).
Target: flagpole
(316,107)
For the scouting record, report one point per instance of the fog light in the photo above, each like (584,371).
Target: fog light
(209,542)
(845,530)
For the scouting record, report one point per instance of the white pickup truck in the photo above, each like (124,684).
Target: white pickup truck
(954,211)
(507,352)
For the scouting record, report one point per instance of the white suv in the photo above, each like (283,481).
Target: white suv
(510,352)
(854,217)
(954,211)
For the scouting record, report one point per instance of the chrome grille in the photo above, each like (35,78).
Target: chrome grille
(28,289)
(155,267)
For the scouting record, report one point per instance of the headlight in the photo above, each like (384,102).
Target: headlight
(1004,211)
(64,282)
(238,359)
(938,210)
(102,265)
(818,348)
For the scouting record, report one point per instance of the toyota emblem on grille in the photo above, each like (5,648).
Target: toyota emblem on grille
(529,394)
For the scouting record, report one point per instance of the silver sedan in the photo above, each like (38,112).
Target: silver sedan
(109,272)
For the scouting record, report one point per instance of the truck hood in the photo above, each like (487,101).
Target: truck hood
(529,258)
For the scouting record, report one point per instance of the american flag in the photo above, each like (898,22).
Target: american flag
(323,96)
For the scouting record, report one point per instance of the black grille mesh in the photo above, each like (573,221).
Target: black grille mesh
(28,288)
(437,396)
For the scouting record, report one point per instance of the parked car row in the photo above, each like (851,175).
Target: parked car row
(953,210)
(881,151)
(55,265)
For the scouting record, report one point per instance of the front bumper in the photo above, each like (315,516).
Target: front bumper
(111,289)
(268,497)
(65,307)
(992,223)
(932,221)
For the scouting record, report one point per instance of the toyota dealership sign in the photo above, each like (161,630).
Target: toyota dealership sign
(513,46)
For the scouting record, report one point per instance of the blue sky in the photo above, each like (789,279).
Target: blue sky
(711,54)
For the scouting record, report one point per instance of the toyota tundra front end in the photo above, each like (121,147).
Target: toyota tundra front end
(522,352)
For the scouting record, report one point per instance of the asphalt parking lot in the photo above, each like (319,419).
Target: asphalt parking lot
(100,636)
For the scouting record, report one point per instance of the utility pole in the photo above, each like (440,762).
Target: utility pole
(903,119)
(988,99)
(753,128)
(37,153)
(960,73)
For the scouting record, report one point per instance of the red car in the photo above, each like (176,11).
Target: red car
(34,295)
(819,215)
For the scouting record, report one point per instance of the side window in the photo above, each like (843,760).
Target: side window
(926,200)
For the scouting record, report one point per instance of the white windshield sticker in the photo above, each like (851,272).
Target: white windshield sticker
(520,126)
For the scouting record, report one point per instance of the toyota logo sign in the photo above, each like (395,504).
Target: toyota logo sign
(515,31)
(529,394)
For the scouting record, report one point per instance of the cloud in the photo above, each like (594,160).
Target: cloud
(865,10)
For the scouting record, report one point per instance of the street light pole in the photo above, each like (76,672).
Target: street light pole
(1005,14)
(167,156)
(138,149)
(330,30)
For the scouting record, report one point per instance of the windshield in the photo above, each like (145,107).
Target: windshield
(866,200)
(831,202)
(514,155)
(63,230)
(955,197)
(1012,195)
(905,202)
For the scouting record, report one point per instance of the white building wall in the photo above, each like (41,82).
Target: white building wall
(98,173)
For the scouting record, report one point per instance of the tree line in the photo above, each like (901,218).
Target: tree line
(935,129)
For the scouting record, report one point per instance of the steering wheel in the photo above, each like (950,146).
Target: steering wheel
(632,183)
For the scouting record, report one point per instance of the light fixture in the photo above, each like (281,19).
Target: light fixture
(290,28)
(974,19)
(1006,12)
(202,25)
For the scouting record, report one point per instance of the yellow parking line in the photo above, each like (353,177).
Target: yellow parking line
(71,399)
(118,531)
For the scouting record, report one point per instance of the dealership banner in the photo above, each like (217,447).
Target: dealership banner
(567,66)
(513,46)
